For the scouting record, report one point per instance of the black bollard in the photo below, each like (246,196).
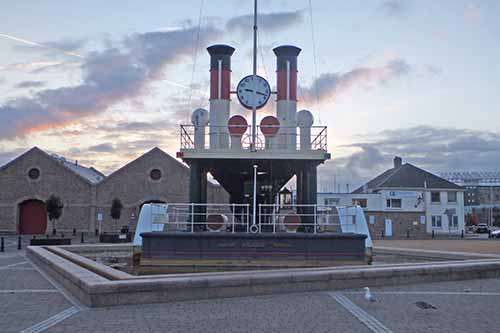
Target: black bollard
(383,234)
(2,245)
(74,232)
(54,231)
(81,238)
(62,234)
(432,233)
(407,233)
(19,242)
(96,232)
(462,234)
(48,236)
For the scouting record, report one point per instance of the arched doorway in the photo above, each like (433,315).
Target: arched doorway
(32,217)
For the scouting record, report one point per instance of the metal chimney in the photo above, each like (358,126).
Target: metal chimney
(220,82)
(286,109)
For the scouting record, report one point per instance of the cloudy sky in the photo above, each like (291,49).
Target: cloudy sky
(105,81)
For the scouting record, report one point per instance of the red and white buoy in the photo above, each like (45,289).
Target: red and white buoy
(237,126)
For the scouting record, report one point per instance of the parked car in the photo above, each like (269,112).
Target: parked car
(495,234)
(482,228)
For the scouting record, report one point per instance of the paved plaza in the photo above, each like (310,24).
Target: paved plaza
(32,302)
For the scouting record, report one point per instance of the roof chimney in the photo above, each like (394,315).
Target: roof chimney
(398,161)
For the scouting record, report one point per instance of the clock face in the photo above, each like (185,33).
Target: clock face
(252,93)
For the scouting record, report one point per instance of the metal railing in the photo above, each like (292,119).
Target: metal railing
(309,218)
(218,137)
(191,217)
(194,217)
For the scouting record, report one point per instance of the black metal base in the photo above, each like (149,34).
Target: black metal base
(325,247)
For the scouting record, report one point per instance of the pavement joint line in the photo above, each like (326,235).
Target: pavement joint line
(13,265)
(51,321)
(444,293)
(19,291)
(365,318)
(56,285)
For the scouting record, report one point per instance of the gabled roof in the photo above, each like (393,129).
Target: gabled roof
(155,150)
(90,175)
(407,176)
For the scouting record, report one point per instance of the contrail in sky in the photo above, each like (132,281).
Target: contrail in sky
(28,42)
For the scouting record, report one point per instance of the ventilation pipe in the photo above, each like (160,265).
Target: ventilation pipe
(286,112)
(305,120)
(220,80)
(199,119)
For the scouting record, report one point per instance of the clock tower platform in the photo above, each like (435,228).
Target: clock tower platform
(253,163)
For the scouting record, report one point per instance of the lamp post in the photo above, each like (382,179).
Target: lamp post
(254,227)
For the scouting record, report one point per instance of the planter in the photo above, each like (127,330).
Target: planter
(115,238)
(50,241)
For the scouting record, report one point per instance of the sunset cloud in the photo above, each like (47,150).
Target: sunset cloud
(328,86)
(110,76)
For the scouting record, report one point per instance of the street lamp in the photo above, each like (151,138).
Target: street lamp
(254,228)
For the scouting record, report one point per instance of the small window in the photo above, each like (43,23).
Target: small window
(155,174)
(34,173)
(452,196)
(435,197)
(393,203)
(454,223)
(332,201)
(436,221)
(360,202)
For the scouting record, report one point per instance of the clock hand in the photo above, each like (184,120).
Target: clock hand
(249,90)
(258,92)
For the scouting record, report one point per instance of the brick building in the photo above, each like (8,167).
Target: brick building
(28,180)
(406,199)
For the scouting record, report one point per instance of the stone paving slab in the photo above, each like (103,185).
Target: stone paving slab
(307,312)
(22,279)
(20,311)
(9,259)
(485,246)
(461,312)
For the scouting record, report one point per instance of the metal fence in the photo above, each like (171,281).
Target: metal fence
(218,137)
(237,218)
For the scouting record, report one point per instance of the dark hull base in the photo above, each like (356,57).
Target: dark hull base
(227,251)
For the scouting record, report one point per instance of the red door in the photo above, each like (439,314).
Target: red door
(32,217)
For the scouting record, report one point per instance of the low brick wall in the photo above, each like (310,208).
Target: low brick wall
(402,223)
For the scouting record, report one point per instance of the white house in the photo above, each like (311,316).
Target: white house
(406,200)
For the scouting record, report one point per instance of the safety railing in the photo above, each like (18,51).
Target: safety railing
(309,218)
(198,217)
(285,138)
(191,217)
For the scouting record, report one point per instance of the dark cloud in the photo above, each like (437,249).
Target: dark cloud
(67,44)
(110,76)
(269,22)
(435,149)
(395,7)
(328,86)
(30,84)
(102,148)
